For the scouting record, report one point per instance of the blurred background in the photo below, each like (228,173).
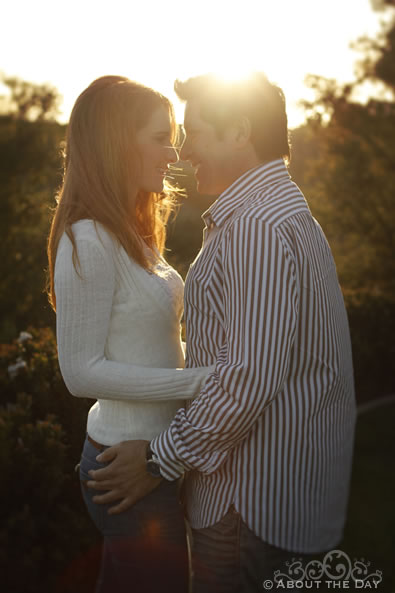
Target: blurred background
(336,64)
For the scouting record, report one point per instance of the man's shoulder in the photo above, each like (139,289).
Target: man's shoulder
(274,204)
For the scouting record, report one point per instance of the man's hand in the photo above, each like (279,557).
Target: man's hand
(126,478)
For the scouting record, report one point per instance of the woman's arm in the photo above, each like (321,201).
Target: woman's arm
(84,303)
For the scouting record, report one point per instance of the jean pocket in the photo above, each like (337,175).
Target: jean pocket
(88,461)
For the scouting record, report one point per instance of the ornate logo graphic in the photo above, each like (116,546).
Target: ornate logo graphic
(336,566)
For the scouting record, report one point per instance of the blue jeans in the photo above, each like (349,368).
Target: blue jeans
(144,548)
(229,558)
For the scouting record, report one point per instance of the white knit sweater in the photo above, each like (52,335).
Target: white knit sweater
(115,321)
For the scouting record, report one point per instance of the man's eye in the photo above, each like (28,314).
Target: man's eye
(164,139)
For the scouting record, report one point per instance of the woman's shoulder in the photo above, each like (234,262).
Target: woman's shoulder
(91,231)
(88,232)
(89,250)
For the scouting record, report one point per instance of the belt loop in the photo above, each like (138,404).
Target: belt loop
(97,445)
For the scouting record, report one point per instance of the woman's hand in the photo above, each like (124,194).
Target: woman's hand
(125,479)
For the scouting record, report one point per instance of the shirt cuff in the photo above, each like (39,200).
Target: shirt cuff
(163,448)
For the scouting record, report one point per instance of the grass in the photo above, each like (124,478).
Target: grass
(370,528)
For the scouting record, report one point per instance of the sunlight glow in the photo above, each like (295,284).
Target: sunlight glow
(286,40)
(229,74)
(153,45)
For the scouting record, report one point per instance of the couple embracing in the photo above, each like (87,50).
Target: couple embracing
(255,434)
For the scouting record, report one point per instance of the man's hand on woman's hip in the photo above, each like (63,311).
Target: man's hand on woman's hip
(126,479)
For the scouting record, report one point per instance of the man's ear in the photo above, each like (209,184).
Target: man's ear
(242,131)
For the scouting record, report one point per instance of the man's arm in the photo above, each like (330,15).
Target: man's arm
(260,311)
(126,479)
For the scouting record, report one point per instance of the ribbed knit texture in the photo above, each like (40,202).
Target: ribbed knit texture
(115,322)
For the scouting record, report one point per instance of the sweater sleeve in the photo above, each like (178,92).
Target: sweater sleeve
(84,302)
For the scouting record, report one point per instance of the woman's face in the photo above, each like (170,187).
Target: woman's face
(153,142)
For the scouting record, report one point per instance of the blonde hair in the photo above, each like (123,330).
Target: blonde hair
(101,166)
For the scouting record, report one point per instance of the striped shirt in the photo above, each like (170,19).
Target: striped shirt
(272,430)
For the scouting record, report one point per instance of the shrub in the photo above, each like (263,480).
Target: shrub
(44,527)
(372,326)
(47,541)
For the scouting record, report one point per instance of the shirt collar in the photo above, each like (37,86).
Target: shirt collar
(251,181)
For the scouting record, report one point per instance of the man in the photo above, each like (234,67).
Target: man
(267,445)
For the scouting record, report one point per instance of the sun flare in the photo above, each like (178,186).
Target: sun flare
(153,45)
(231,45)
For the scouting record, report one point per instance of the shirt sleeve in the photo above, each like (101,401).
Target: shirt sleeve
(84,302)
(260,312)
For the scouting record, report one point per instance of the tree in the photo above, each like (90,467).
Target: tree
(379,61)
(47,541)
(345,163)
(30,171)
(29,101)
(351,177)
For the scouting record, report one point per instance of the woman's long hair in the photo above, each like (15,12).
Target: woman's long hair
(101,169)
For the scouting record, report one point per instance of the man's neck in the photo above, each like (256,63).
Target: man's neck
(241,166)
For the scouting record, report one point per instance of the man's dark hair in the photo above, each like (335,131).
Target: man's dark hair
(224,102)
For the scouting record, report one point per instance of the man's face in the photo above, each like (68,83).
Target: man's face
(212,157)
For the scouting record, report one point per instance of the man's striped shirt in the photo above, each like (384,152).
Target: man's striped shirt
(272,430)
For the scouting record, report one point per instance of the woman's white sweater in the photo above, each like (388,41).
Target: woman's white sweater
(118,334)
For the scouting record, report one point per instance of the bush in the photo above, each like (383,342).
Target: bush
(372,326)
(45,528)
(47,540)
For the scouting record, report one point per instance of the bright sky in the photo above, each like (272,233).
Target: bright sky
(153,41)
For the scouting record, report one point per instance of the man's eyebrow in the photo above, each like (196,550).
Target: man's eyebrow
(163,131)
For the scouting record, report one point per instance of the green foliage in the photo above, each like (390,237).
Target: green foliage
(44,526)
(184,237)
(372,327)
(378,63)
(349,173)
(48,543)
(370,528)
(29,101)
(343,161)
(350,183)
(349,179)
(30,172)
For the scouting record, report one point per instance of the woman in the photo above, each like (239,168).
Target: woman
(118,307)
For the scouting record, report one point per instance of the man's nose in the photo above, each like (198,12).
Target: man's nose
(185,152)
(172,154)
